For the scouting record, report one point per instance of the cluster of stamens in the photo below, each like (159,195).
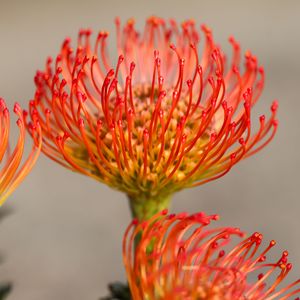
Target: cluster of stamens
(178,257)
(164,118)
(13,171)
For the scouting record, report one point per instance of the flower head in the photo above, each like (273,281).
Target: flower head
(13,171)
(179,257)
(165,116)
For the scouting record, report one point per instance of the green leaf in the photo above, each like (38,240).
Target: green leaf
(4,290)
(118,291)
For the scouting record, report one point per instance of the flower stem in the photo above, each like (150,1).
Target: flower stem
(144,209)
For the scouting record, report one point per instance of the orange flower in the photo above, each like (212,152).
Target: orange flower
(178,257)
(165,117)
(13,170)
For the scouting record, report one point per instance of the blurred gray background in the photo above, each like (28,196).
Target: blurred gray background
(63,240)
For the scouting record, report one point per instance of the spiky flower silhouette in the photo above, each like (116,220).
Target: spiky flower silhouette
(180,257)
(166,117)
(13,171)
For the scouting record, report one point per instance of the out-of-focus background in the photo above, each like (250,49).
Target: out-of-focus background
(63,240)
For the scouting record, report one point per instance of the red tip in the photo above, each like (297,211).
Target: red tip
(164,212)
(132,66)
(66,135)
(274,106)
(285,253)
(171,216)
(17,108)
(121,58)
(260,276)
(135,221)
(242,141)
(117,21)
(58,138)
(146,132)
(81,122)
(47,111)
(110,73)
(6,111)
(262,258)
(262,118)
(215,217)
(19,122)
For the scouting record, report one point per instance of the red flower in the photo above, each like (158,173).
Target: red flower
(178,257)
(13,170)
(165,117)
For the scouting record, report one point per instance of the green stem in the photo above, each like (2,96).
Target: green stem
(143,208)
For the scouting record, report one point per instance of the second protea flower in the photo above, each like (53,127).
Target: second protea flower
(13,169)
(166,116)
(180,257)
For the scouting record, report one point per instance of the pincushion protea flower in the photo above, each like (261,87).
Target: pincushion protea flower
(178,257)
(165,117)
(13,170)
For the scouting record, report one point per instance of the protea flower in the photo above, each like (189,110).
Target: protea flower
(179,257)
(13,169)
(164,117)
